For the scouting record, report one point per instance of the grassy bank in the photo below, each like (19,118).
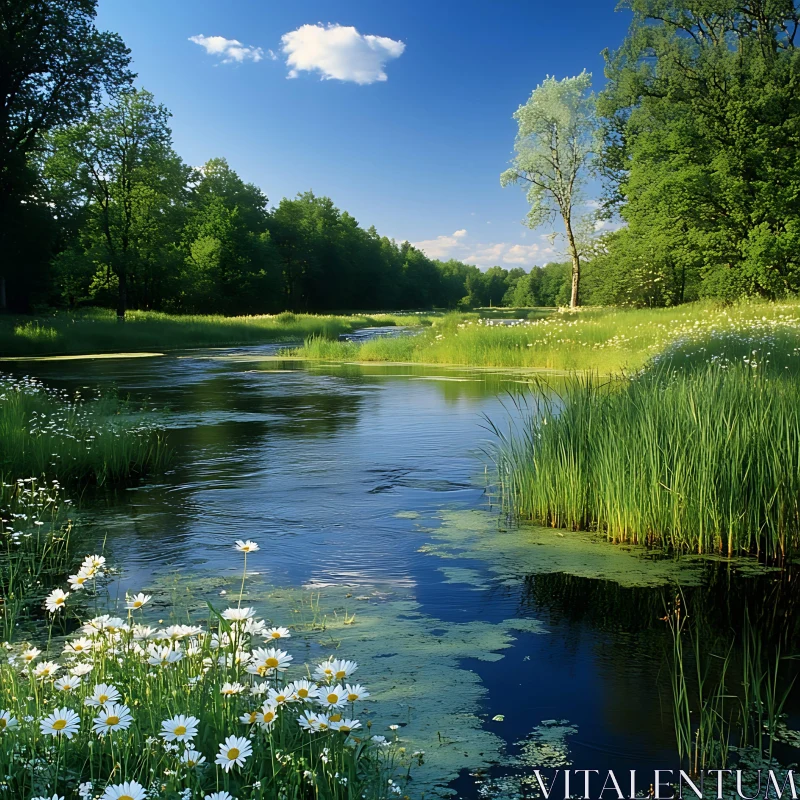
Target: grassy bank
(72,437)
(603,340)
(97,331)
(698,453)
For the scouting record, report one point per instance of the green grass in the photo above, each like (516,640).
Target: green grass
(97,331)
(694,454)
(601,340)
(72,438)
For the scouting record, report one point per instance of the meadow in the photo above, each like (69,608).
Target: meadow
(97,330)
(601,340)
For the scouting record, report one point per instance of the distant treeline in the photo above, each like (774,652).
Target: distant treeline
(699,136)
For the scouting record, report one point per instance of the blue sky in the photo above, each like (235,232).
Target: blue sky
(402,114)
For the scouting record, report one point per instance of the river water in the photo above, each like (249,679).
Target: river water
(496,648)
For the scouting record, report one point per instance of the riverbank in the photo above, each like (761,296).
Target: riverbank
(601,340)
(97,330)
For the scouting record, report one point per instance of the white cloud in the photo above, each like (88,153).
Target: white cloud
(229,50)
(486,254)
(339,53)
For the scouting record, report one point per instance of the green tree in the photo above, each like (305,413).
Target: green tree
(702,117)
(556,140)
(54,66)
(120,168)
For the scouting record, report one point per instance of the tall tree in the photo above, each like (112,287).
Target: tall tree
(54,67)
(556,140)
(702,115)
(120,165)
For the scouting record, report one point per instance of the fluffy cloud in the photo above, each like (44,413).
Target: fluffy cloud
(339,53)
(484,255)
(229,50)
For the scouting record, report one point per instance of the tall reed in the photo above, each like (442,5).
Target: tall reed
(705,460)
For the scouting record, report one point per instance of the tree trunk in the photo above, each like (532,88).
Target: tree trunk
(122,300)
(576,263)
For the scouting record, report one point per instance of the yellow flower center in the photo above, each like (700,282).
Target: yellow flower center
(102,699)
(333,698)
(276,635)
(272,663)
(344,728)
(233,753)
(59,725)
(340,674)
(180,730)
(3,722)
(335,717)
(137,603)
(125,797)
(302,693)
(112,720)
(59,600)
(352,697)
(281,698)
(269,716)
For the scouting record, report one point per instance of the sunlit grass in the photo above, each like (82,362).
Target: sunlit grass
(72,438)
(600,340)
(97,330)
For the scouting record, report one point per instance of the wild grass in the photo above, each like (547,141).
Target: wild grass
(35,549)
(688,457)
(74,438)
(97,330)
(604,341)
(214,708)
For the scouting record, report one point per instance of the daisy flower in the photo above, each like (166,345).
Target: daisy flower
(219,796)
(277,697)
(230,689)
(78,646)
(161,656)
(47,669)
(246,547)
(267,715)
(130,790)
(343,669)
(30,655)
(193,758)
(332,696)
(179,729)
(56,600)
(81,669)
(277,633)
(249,718)
(54,797)
(268,659)
(78,581)
(346,725)
(238,614)
(355,693)
(137,601)
(7,722)
(93,564)
(62,722)
(234,751)
(113,717)
(68,683)
(102,694)
(304,690)
(312,722)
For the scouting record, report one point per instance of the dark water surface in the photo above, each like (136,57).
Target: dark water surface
(315,463)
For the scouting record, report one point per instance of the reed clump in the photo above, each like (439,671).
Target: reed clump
(702,459)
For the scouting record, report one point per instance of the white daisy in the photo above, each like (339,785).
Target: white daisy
(179,728)
(277,633)
(130,790)
(234,751)
(192,758)
(30,655)
(332,696)
(346,725)
(7,722)
(304,690)
(238,614)
(78,581)
(102,694)
(68,683)
(355,692)
(266,660)
(47,669)
(113,717)
(230,689)
(137,601)
(62,722)
(246,547)
(56,600)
